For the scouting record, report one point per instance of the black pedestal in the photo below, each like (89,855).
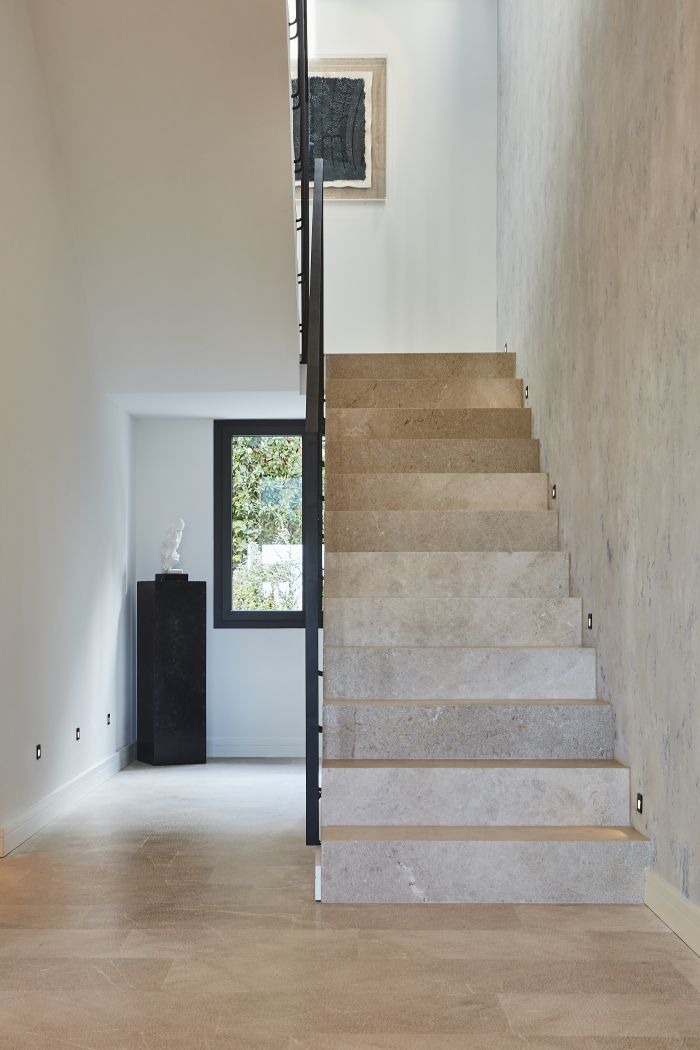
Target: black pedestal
(171,670)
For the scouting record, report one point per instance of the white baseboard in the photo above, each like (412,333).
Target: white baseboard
(255,747)
(679,914)
(60,800)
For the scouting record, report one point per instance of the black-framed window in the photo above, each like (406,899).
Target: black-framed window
(258,550)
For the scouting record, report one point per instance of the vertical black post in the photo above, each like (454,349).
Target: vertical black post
(312,514)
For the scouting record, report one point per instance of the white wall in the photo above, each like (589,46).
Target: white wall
(64,462)
(174,123)
(418,273)
(255,678)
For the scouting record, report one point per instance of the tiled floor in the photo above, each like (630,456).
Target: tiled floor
(173,911)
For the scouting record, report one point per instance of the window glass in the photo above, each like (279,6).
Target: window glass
(266,541)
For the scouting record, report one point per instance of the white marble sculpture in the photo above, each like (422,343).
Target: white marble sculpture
(169,556)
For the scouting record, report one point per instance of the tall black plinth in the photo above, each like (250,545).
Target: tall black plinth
(171,670)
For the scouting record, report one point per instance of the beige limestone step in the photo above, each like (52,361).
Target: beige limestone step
(431,455)
(437,491)
(524,865)
(401,729)
(446,574)
(441,530)
(420,366)
(481,620)
(428,423)
(424,393)
(458,673)
(562,792)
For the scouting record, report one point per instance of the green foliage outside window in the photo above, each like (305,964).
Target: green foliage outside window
(266,559)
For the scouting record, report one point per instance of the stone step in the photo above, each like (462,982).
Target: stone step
(446,574)
(478,865)
(458,673)
(481,620)
(431,455)
(420,366)
(428,423)
(400,729)
(424,393)
(568,793)
(437,491)
(441,530)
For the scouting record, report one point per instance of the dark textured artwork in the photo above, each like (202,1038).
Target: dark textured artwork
(337,118)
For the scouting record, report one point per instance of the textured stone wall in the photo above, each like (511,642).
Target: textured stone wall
(599,295)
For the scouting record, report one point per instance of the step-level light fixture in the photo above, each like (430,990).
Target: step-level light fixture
(77,733)
(590,621)
(38,751)
(527,391)
(554,491)
(640,803)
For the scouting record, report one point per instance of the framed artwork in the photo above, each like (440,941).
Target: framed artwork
(347,118)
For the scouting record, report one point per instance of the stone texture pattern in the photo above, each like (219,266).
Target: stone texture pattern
(421,393)
(422,673)
(445,367)
(448,574)
(604,872)
(413,455)
(439,530)
(474,795)
(415,485)
(437,491)
(478,729)
(429,422)
(487,620)
(599,277)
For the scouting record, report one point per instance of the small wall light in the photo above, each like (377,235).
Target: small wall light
(590,621)
(109,719)
(527,391)
(77,733)
(554,491)
(38,751)
(640,803)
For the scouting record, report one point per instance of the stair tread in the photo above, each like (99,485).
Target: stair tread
(467,703)
(493,833)
(473,763)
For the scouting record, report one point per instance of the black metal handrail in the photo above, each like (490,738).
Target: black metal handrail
(302,171)
(310,277)
(312,511)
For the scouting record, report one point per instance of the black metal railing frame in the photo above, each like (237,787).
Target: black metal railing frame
(310,277)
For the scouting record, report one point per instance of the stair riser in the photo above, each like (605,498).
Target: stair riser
(424,530)
(424,393)
(428,423)
(453,621)
(420,455)
(445,574)
(470,731)
(480,872)
(507,795)
(420,366)
(400,673)
(379,492)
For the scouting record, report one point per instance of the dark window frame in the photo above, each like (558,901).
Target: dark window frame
(224,431)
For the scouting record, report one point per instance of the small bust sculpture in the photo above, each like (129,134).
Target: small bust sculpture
(169,556)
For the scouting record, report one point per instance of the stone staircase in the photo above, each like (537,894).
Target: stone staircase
(466,755)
